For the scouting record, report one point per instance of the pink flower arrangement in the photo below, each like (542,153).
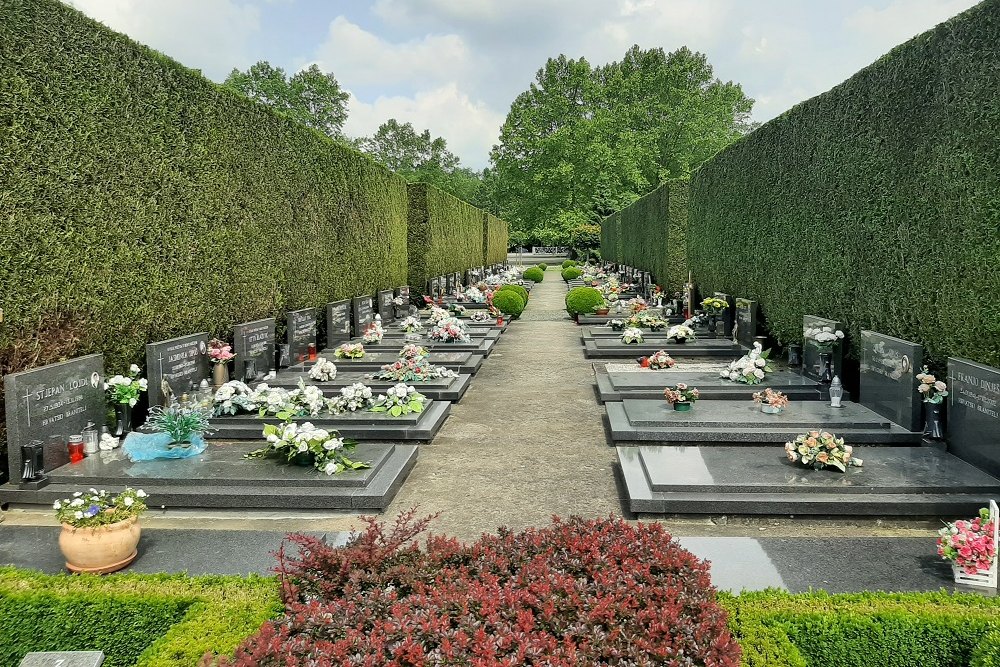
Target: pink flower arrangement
(220,352)
(970,545)
(680,393)
(771,397)
(661,361)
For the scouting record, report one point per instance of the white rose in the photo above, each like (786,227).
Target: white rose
(78,515)
(302,447)
(141,493)
(759,374)
(143,384)
(77,502)
(134,368)
(128,501)
(56,505)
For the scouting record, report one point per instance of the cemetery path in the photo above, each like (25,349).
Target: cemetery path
(526,441)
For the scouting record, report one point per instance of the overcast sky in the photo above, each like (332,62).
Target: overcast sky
(454,66)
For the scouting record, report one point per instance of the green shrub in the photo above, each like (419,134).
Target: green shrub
(583,300)
(571,273)
(446,234)
(987,654)
(534,274)
(495,239)
(569,262)
(520,291)
(509,302)
(542,265)
(875,199)
(148,620)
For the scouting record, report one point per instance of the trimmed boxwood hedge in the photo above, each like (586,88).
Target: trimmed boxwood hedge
(876,203)
(571,273)
(583,300)
(509,302)
(145,620)
(445,234)
(495,239)
(569,262)
(534,274)
(519,290)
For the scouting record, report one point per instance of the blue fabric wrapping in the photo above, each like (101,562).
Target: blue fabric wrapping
(151,446)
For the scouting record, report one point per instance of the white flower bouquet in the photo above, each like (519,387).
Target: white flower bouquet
(350,351)
(399,400)
(352,398)
(125,390)
(295,442)
(823,337)
(480,316)
(750,368)
(411,324)
(475,295)
(437,315)
(373,332)
(680,333)
(323,370)
(632,336)
(450,330)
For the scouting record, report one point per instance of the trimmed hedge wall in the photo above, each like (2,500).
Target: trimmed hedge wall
(145,620)
(876,203)
(445,234)
(650,234)
(495,239)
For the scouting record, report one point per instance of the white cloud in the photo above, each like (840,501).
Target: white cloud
(902,19)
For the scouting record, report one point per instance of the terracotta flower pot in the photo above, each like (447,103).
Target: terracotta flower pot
(101,549)
(602,311)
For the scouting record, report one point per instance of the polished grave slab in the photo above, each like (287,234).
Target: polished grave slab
(481,345)
(222,478)
(597,321)
(360,425)
(640,421)
(613,348)
(463,362)
(591,332)
(649,384)
(438,389)
(894,481)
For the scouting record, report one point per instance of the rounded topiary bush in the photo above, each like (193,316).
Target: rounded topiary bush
(542,265)
(508,302)
(577,592)
(583,300)
(534,274)
(571,273)
(569,262)
(523,293)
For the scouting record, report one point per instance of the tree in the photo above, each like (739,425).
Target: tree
(589,141)
(311,97)
(419,157)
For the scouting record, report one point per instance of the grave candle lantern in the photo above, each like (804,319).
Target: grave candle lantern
(312,351)
(836,392)
(75,448)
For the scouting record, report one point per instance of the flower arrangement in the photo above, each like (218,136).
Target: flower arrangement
(660,361)
(450,331)
(399,400)
(233,398)
(680,333)
(323,370)
(97,508)
(617,325)
(475,295)
(632,336)
(480,316)
(326,448)
(932,389)
(412,369)
(681,393)
(437,315)
(823,337)
(350,351)
(352,398)
(398,301)
(636,305)
(125,390)
(220,352)
(374,333)
(647,319)
(750,368)
(456,309)
(714,305)
(180,422)
(413,352)
(411,324)
(970,545)
(771,397)
(822,450)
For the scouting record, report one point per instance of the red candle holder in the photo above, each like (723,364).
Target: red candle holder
(312,351)
(75,448)
(499,321)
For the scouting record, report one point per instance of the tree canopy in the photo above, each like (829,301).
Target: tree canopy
(585,141)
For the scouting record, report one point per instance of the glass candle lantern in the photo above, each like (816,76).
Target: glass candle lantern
(311,351)
(836,392)
(75,447)
(90,438)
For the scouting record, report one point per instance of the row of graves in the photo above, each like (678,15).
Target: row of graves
(327,411)
(706,421)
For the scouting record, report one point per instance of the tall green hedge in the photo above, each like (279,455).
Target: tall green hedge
(445,234)
(649,234)
(876,203)
(495,239)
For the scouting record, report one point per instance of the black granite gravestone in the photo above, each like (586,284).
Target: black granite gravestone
(745,324)
(726,318)
(51,403)
(301,333)
(811,351)
(362,312)
(385,306)
(180,361)
(434,288)
(338,322)
(888,378)
(402,309)
(974,413)
(450,284)
(254,342)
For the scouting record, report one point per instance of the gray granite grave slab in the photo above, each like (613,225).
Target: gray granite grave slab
(811,351)
(888,378)
(615,386)
(254,341)
(974,413)
(222,478)
(722,421)
(50,403)
(439,389)
(362,313)
(590,332)
(63,659)
(745,323)
(480,346)
(402,310)
(463,362)
(894,481)
(180,362)
(338,322)
(385,306)
(301,332)
(613,348)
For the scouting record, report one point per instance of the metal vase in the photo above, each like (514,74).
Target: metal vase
(933,427)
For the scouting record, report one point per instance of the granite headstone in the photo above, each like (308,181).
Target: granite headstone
(974,413)
(434,288)
(338,322)
(403,309)
(888,378)
(363,313)
(254,342)
(49,404)
(301,333)
(181,362)
(745,324)
(726,318)
(385,306)
(811,366)
(450,284)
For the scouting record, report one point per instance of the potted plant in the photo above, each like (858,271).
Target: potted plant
(601,309)
(100,532)
(680,333)
(819,450)
(971,547)
(660,361)
(681,397)
(771,402)
(123,393)
(617,325)
(186,425)
(350,351)
(933,391)
(632,336)
(220,353)
(713,306)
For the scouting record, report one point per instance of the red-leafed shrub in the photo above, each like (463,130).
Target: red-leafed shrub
(579,592)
